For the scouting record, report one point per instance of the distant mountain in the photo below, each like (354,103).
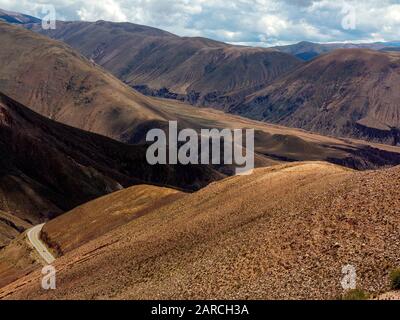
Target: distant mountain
(308,50)
(59,83)
(67,87)
(351,93)
(390,49)
(10,227)
(17,18)
(235,79)
(195,70)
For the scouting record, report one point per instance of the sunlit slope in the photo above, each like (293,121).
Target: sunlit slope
(283,232)
(54,80)
(10,227)
(346,93)
(76,227)
(104,214)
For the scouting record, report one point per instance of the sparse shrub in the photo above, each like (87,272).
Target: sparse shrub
(355,294)
(395,279)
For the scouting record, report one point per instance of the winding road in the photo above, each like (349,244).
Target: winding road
(33,237)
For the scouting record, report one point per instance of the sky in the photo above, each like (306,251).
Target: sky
(249,22)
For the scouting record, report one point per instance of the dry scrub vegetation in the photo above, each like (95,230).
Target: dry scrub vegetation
(281,233)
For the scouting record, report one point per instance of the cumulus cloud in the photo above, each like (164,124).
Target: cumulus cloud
(256,22)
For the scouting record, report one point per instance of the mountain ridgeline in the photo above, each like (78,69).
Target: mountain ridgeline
(347,93)
(52,79)
(199,71)
(345,90)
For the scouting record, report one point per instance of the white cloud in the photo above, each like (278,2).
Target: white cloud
(259,22)
(106,9)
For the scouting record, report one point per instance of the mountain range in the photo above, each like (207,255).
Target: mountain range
(348,92)
(194,70)
(66,87)
(306,51)
(76,104)
(246,81)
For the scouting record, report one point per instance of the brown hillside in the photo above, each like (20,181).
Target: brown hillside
(350,93)
(59,83)
(104,214)
(47,167)
(283,232)
(196,70)
(98,217)
(17,259)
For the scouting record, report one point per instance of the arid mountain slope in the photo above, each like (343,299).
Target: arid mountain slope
(104,214)
(57,82)
(98,217)
(350,93)
(47,167)
(195,70)
(10,227)
(282,232)
(17,259)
